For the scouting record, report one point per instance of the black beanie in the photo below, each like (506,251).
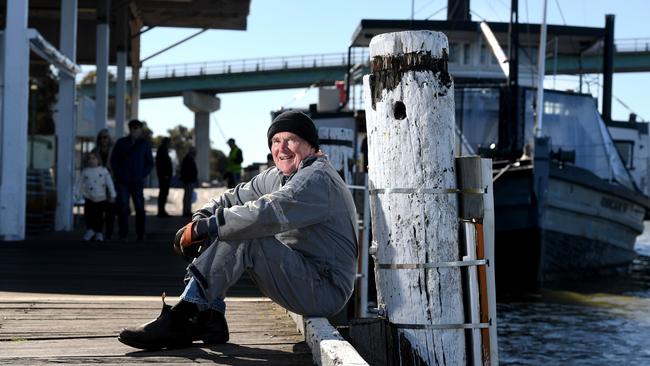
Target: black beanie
(294,122)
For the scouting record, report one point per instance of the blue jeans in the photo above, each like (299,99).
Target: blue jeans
(124,191)
(194,293)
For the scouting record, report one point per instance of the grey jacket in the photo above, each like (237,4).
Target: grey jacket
(311,211)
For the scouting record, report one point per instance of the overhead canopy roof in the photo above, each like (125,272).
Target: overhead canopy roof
(571,40)
(212,14)
(44,16)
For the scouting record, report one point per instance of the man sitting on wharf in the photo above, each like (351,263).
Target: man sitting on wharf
(292,227)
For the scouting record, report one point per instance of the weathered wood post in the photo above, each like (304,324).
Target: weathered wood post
(409,100)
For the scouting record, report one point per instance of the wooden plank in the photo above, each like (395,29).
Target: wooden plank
(84,330)
(65,301)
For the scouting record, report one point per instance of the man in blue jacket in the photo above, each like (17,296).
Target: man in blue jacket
(131,161)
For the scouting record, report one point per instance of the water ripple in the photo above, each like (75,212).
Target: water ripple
(600,322)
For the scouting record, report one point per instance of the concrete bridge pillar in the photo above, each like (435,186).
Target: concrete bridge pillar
(202,105)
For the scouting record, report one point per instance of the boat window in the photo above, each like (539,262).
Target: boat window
(573,123)
(626,149)
(467,53)
(454,53)
(477,119)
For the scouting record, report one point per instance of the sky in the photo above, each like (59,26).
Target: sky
(298,27)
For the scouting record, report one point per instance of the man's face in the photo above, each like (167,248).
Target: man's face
(135,132)
(288,150)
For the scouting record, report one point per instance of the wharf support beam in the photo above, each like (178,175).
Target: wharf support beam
(66,121)
(13,122)
(202,105)
(410,122)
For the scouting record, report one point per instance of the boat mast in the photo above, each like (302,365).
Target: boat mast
(608,67)
(541,66)
(511,137)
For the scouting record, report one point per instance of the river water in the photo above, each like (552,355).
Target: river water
(594,322)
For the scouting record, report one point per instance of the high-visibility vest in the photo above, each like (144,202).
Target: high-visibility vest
(232,165)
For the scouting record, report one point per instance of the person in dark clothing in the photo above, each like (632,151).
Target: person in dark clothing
(164,172)
(131,161)
(233,167)
(189,177)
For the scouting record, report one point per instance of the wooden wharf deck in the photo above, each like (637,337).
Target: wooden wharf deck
(63,301)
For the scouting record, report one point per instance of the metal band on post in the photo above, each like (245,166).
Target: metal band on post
(441,326)
(477,262)
(376,191)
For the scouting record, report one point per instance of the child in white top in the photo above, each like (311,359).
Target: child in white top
(96,186)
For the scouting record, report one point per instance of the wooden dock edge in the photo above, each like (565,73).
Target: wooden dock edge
(327,346)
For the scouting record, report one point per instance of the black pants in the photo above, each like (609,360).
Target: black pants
(163,192)
(94,215)
(187,198)
(134,191)
(109,219)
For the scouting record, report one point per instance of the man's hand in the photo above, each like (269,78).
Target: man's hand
(187,244)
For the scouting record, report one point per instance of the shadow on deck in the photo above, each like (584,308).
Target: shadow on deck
(63,300)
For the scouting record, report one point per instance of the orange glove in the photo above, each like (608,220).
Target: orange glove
(192,238)
(183,243)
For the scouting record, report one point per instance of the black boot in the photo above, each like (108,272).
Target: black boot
(211,327)
(172,329)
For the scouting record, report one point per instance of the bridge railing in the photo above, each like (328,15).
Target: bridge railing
(249,65)
(632,44)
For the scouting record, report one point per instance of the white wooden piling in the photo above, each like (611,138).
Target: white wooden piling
(410,122)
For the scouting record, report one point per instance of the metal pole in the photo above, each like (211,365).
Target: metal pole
(510,133)
(347,79)
(472,278)
(172,45)
(363,288)
(488,239)
(554,60)
(608,67)
(541,64)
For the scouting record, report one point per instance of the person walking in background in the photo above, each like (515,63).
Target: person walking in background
(233,167)
(131,162)
(164,172)
(96,186)
(103,149)
(189,177)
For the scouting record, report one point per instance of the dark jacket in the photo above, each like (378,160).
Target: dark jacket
(189,173)
(163,164)
(131,160)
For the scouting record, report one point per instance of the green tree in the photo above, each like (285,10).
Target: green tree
(217,164)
